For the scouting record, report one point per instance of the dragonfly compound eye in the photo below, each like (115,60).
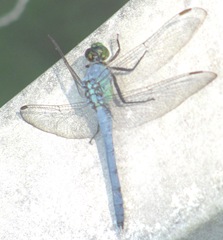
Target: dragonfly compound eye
(97,52)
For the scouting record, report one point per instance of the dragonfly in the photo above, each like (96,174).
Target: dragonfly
(105,105)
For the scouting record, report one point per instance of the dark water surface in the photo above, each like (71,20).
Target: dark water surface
(25,51)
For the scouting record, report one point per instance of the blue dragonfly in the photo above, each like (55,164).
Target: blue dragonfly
(106,105)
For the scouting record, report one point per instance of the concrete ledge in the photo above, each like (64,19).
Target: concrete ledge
(171,169)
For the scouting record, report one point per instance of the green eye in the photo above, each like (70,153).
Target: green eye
(97,52)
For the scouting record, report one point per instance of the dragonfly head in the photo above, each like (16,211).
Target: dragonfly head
(97,53)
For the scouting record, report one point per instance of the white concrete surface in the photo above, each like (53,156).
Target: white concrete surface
(171,169)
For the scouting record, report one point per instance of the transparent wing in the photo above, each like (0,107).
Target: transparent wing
(69,121)
(165,43)
(165,96)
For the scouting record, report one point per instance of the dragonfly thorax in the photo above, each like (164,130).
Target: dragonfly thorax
(97,84)
(93,93)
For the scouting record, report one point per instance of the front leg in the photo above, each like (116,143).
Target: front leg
(130,69)
(117,51)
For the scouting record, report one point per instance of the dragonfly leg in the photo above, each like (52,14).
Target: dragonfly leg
(117,51)
(130,69)
(121,96)
(92,138)
(76,78)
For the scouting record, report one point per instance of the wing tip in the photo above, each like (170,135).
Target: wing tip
(192,9)
(24,107)
(185,11)
(196,72)
(212,75)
